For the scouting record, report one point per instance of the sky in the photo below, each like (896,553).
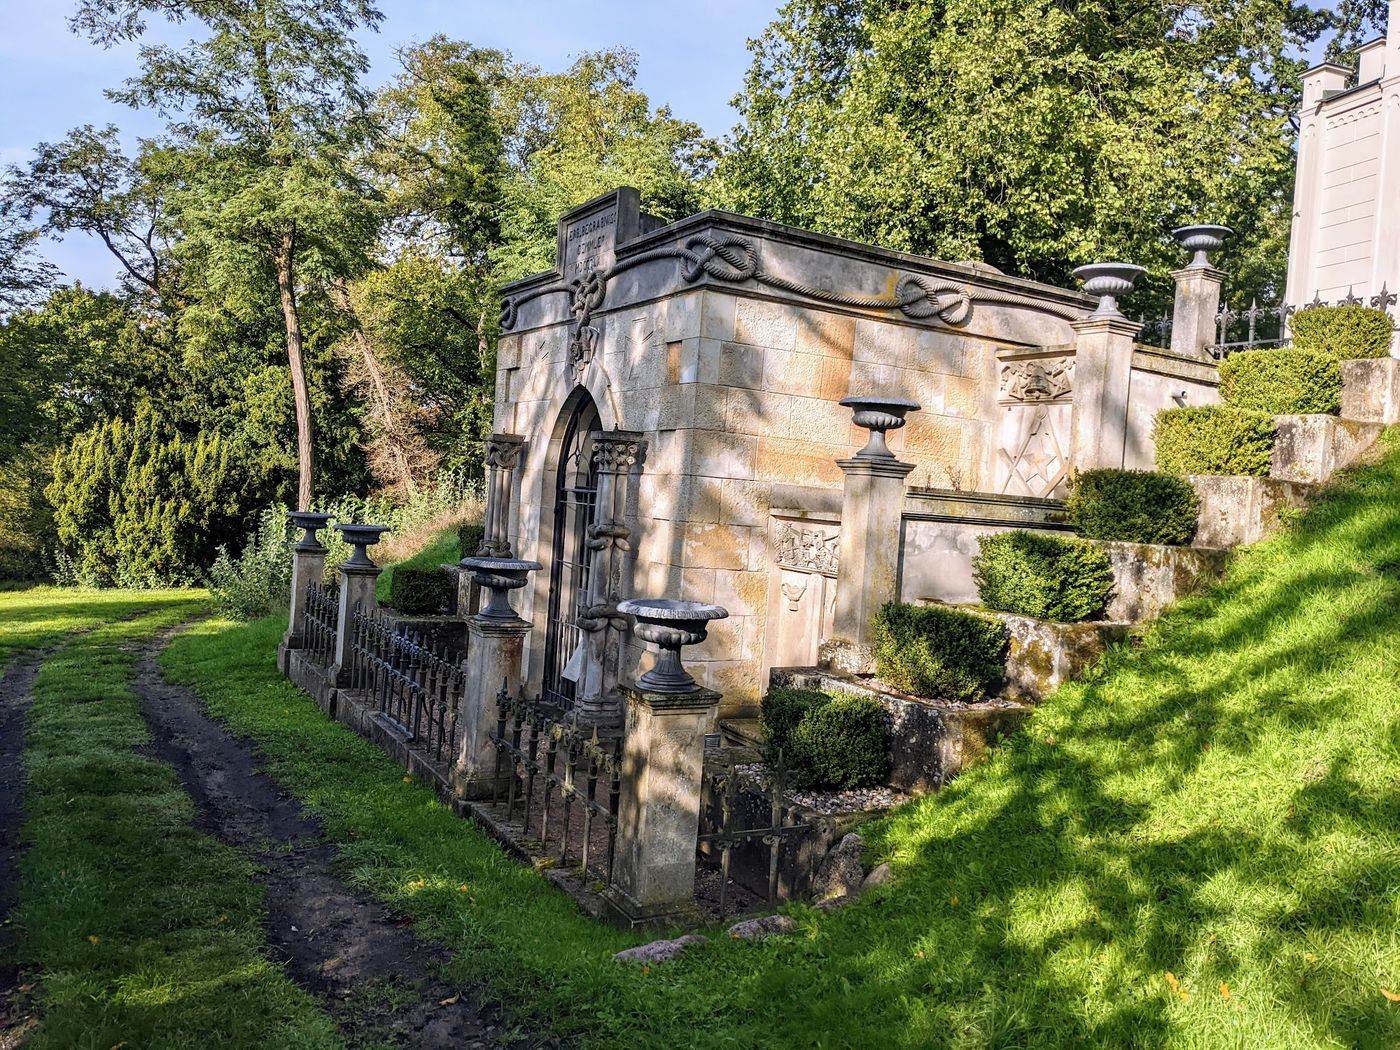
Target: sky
(691,57)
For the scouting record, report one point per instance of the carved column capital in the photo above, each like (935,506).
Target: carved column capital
(616,451)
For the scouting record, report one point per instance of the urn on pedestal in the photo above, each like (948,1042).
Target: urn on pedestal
(361,537)
(1108,280)
(877,415)
(1201,239)
(310,522)
(499,576)
(670,624)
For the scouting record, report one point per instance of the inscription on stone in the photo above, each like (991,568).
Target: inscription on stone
(590,243)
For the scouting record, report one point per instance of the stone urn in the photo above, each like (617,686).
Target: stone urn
(499,576)
(670,624)
(310,523)
(877,415)
(361,537)
(1108,280)
(1202,240)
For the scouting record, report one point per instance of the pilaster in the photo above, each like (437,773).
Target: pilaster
(1103,365)
(1193,313)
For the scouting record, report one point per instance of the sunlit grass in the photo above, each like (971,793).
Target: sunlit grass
(32,617)
(1199,847)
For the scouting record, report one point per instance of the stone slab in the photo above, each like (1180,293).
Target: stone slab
(1149,577)
(1044,655)
(1371,390)
(1311,448)
(1237,510)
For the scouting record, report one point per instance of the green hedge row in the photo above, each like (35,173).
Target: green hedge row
(1345,332)
(1282,382)
(827,740)
(421,592)
(1042,575)
(1137,506)
(938,652)
(1213,439)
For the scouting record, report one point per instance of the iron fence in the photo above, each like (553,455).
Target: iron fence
(321,621)
(418,685)
(725,778)
(1257,327)
(553,770)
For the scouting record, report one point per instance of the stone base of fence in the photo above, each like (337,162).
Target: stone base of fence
(310,677)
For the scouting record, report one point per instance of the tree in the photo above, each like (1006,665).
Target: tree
(1030,135)
(266,111)
(23,278)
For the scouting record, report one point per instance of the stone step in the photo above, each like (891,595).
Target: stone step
(1311,448)
(1239,510)
(1371,390)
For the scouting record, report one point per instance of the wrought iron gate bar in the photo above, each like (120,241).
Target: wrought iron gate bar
(322,619)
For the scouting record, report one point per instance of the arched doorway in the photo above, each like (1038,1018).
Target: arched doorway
(575,492)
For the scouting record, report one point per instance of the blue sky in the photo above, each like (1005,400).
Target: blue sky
(692,57)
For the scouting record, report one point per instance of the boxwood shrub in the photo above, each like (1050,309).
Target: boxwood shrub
(939,652)
(469,537)
(1214,439)
(1282,382)
(1345,332)
(1042,575)
(418,592)
(840,744)
(1138,506)
(827,740)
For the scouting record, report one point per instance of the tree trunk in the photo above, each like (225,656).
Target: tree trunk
(286,285)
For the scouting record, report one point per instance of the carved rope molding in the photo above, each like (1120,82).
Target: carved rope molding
(735,260)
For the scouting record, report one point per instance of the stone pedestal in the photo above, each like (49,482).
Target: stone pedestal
(872,508)
(1193,313)
(494,650)
(659,807)
(1103,365)
(356,593)
(308,567)
(1371,390)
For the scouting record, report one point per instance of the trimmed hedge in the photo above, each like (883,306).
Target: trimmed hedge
(938,652)
(1048,577)
(1345,332)
(417,592)
(1282,382)
(1138,506)
(840,744)
(1214,439)
(827,740)
(469,537)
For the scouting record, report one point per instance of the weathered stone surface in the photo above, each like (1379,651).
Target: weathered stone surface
(760,929)
(841,872)
(1311,448)
(1371,390)
(879,875)
(1043,655)
(847,657)
(1148,577)
(660,951)
(1237,510)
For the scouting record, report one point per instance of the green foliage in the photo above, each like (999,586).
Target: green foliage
(840,744)
(1282,382)
(258,580)
(1031,135)
(469,537)
(421,591)
(139,504)
(1345,332)
(937,652)
(1042,575)
(826,740)
(1137,506)
(1213,439)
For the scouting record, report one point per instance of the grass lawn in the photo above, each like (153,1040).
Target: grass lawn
(32,617)
(143,932)
(1199,847)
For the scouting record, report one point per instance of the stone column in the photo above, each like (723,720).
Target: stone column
(1197,290)
(1103,365)
(872,510)
(599,701)
(495,645)
(502,456)
(308,567)
(357,578)
(663,759)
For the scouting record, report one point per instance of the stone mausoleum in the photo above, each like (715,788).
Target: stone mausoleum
(669,424)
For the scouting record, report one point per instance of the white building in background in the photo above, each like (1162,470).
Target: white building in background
(1345,244)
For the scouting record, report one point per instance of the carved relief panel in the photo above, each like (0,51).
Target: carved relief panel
(802,590)
(1035,396)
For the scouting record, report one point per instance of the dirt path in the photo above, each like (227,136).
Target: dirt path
(16,688)
(369,971)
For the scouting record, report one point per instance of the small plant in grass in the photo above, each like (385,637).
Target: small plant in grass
(1282,382)
(938,652)
(840,744)
(826,740)
(258,580)
(1048,577)
(1136,506)
(416,591)
(1214,439)
(1345,332)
